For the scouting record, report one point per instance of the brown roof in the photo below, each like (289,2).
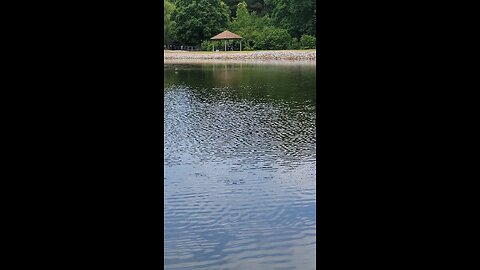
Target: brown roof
(227,35)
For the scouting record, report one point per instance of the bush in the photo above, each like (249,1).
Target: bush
(272,39)
(294,45)
(207,45)
(308,42)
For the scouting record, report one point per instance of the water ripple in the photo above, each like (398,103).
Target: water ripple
(239,176)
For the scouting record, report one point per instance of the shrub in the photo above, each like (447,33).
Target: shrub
(294,45)
(207,45)
(272,39)
(308,42)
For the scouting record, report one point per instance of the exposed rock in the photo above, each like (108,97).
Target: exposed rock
(242,56)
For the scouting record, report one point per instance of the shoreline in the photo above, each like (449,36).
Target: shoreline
(242,57)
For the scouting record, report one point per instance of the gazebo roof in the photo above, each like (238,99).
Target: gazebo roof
(226,35)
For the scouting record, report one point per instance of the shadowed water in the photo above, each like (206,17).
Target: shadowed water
(240,153)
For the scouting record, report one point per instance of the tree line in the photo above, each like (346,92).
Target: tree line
(263,24)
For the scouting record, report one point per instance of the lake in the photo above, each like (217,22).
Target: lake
(240,157)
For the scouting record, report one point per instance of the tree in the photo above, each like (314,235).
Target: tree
(168,24)
(198,20)
(247,25)
(242,20)
(260,7)
(272,38)
(297,16)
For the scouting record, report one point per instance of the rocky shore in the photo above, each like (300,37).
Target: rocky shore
(309,55)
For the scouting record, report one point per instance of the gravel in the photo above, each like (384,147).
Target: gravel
(242,56)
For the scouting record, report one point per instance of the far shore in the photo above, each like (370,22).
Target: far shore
(243,56)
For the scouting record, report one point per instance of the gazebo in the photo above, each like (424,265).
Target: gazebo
(226,35)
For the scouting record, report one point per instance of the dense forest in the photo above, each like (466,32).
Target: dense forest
(263,24)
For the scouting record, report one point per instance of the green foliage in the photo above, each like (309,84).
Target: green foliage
(198,20)
(168,24)
(208,45)
(260,7)
(246,25)
(263,24)
(258,32)
(308,42)
(297,16)
(273,39)
(294,44)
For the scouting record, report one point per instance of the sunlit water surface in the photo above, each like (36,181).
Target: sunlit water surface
(240,154)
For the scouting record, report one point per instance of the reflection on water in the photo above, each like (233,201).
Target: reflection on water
(240,153)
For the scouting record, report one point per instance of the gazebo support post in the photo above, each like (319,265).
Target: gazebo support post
(240,45)
(225,45)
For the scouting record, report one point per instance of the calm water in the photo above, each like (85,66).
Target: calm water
(240,154)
